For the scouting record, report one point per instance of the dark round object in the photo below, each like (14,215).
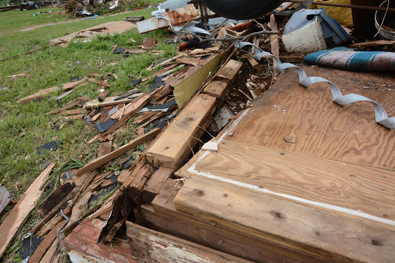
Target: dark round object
(242,9)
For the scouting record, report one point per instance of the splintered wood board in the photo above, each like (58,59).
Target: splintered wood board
(176,141)
(184,91)
(154,246)
(320,127)
(20,213)
(366,189)
(81,246)
(319,231)
(230,70)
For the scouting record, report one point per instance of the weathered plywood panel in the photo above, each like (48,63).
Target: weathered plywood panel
(320,127)
(346,185)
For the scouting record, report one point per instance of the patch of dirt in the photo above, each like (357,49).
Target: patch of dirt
(47,24)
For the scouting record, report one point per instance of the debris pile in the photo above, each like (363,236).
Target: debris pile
(195,95)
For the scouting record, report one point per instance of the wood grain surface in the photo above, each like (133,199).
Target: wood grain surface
(320,127)
(351,186)
(318,231)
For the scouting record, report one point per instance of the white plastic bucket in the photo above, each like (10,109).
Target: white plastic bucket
(308,37)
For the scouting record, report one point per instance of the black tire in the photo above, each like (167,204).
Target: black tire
(21,9)
(242,9)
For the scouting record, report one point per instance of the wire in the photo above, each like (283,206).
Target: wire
(382,22)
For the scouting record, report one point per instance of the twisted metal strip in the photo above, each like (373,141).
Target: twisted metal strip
(381,115)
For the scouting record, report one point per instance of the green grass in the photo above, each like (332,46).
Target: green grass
(19,160)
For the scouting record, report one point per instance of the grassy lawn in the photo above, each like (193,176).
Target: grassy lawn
(19,160)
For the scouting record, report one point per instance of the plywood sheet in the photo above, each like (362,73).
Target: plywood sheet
(346,185)
(320,127)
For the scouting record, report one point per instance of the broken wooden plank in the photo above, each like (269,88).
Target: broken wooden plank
(229,71)
(73,112)
(71,85)
(79,208)
(140,177)
(61,203)
(38,95)
(116,153)
(54,198)
(127,113)
(175,142)
(253,63)
(115,228)
(81,248)
(22,210)
(45,244)
(110,101)
(78,102)
(155,183)
(102,95)
(152,246)
(176,17)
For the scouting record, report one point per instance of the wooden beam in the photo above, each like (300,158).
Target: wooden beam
(152,246)
(108,157)
(229,71)
(312,229)
(216,89)
(176,141)
(22,210)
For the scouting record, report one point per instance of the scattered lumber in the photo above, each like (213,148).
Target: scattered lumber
(22,209)
(116,153)
(50,211)
(71,85)
(78,102)
(46,243)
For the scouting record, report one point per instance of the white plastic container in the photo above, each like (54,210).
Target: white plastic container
(301,34)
